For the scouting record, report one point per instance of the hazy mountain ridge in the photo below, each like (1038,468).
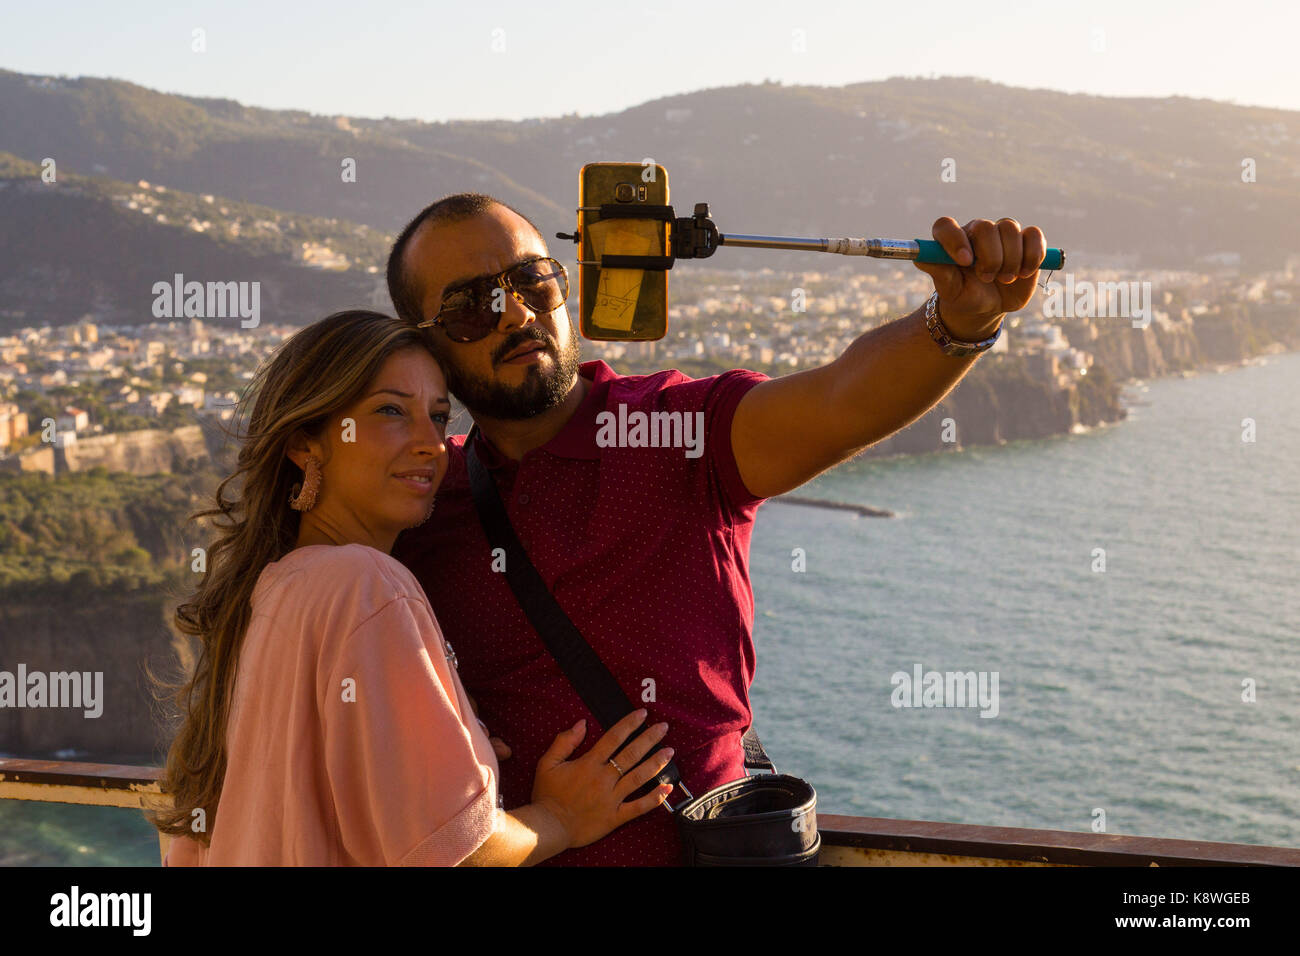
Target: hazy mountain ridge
(287,159)
(1157,179)
(75,247)
(223,218)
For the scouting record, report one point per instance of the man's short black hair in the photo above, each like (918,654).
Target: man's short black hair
(455,208)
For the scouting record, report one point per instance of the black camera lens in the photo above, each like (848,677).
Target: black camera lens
(624,192)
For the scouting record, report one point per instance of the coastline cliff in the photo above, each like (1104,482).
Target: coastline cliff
(1001,402)
(1004,399)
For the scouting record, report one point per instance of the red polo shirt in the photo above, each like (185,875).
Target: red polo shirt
(647,551)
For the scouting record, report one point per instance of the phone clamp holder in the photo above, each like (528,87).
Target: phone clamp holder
(691,237)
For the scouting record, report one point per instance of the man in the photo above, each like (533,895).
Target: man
(645,548)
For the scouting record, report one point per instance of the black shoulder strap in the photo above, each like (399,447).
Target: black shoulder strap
(585,670)
(756,757)
(597,687)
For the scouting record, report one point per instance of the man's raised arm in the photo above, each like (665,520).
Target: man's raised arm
(791,429)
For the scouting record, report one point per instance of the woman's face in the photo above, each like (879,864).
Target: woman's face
(381,471)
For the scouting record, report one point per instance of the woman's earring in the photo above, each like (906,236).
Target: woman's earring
(304,495)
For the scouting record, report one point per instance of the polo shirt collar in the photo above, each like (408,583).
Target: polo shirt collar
(577,439)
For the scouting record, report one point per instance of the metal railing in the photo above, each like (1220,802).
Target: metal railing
(88,784)
(846,840)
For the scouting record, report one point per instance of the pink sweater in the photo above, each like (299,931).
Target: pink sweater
(350,739)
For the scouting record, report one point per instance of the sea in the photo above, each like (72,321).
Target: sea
(1126,598)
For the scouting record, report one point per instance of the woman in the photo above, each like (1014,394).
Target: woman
(324,722)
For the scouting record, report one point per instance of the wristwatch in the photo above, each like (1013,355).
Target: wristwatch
(950,345)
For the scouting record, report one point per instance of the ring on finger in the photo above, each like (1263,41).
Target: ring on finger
(620,770)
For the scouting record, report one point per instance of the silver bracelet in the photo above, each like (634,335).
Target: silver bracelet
(950,345)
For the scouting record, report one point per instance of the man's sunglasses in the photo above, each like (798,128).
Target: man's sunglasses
(469,314)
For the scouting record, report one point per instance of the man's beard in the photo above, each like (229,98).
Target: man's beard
(539,391)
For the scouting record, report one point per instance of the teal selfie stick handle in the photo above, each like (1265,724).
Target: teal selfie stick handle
(915,250)
(931,251)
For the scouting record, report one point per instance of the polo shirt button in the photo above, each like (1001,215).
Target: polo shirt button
(523,499)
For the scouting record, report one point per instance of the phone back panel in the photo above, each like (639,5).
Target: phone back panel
(621,304)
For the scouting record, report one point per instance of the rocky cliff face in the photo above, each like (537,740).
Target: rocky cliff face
(149,451)
(1001,402)
(34,459)
(113,635)
(144,452)
(1233,334)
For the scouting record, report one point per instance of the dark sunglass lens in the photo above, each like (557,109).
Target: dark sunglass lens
(542,284)
(469,328)
(463,320)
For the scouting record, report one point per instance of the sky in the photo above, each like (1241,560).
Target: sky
(507,59)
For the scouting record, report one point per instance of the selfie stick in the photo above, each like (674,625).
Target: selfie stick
(917,250)
(697,237)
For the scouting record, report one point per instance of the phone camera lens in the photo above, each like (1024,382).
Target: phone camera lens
(624,192)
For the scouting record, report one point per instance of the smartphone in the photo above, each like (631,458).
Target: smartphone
(627,305)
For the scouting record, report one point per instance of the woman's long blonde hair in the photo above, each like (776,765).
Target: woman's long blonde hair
(312,376)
